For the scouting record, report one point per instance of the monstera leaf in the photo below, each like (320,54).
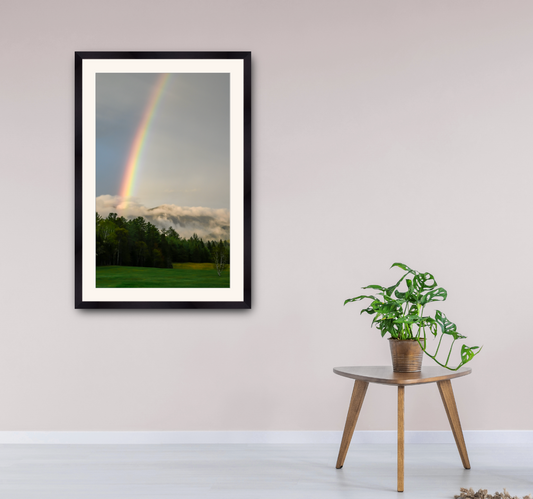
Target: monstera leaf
(467,353)
(439,294)
(375,286)
(420,283)
(446,326)
(357,298)
(404,267)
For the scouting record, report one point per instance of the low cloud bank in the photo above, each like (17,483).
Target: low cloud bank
(207,223)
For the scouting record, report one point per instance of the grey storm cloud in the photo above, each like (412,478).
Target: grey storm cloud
(207,223)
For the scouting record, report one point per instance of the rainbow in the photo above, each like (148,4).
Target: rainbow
(131,169)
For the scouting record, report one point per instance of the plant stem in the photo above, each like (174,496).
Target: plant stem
(438,346)
(450,352)
(443,365)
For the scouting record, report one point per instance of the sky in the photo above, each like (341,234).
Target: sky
(182,168)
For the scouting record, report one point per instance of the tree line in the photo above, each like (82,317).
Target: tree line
(139,243)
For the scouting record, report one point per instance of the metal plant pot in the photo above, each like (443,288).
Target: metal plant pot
(406,356)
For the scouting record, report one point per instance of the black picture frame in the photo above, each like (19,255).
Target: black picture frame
(238,295)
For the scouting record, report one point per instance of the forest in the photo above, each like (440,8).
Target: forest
(138,243)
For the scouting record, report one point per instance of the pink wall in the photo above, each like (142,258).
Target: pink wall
(383,131)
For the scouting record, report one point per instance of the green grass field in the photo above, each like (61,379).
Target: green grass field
(183,275)
(197,266)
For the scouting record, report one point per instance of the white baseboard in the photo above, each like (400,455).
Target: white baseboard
(257,437)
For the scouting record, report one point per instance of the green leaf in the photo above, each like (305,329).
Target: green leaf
(446,326)
(377,305)
(357,298)
(391,308)
(422,282)
(368,310)
(429,322)
(403,267)
(375,286)
(467,353)
(390,299)
(391,289)
(402,295)
(439,294)
(388,326)
(413,309)
(408,319)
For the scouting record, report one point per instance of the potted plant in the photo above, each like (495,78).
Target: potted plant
(401,314)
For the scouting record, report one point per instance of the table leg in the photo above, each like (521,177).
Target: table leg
(446,393)
(401,412)
(358,395)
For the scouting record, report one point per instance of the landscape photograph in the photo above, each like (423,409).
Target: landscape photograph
(162,180)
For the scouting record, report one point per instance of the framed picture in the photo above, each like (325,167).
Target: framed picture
(163,180)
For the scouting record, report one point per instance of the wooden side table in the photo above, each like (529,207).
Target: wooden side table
(385,376)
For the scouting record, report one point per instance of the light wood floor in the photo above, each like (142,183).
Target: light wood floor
(273,471)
